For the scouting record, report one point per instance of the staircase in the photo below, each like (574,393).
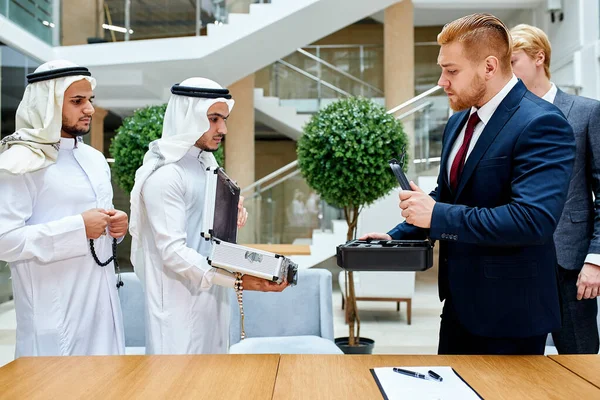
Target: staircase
(138,73)
(284,119)
(323,245)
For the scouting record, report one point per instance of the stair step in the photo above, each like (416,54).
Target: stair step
(212,30)
(258,9)
(237,18)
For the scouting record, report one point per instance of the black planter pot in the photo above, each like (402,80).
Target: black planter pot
(365,346)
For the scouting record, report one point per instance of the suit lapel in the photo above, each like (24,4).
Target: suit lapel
(501,116)
(564,102)
(452,133)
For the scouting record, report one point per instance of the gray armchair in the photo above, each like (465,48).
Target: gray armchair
(133,305)
(298,320)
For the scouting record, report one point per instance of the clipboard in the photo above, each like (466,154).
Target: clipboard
(396,386)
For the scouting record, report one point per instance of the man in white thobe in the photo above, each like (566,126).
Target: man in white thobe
(56,196)
(187,307)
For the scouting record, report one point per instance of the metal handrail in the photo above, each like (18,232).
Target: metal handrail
(342,46)
(415,110)
(272,175)
(414,99)
(314,78)
(425,160)
(294,163)
(336,69)
(277,182)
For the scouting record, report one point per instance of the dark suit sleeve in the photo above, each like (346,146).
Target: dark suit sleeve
(593,138)
(406,231)
(543,159)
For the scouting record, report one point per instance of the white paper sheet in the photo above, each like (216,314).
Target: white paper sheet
(398,386)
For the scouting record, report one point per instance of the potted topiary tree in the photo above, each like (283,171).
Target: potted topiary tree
(131,143)
(343,155)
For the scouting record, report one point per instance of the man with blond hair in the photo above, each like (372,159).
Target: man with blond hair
(577,236)
(506,161)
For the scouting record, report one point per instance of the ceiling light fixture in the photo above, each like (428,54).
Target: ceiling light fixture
(116,28)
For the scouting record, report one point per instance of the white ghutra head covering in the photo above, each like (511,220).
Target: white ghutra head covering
(186,120)
(34,145)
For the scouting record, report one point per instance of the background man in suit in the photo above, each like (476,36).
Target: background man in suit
(505,166)
(577,236)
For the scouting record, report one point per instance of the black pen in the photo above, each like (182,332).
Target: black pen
(435,376)
(410,373)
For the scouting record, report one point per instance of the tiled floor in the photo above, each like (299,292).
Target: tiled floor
(379,321)
(8,324)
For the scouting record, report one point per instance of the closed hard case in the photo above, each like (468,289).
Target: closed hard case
(385,255)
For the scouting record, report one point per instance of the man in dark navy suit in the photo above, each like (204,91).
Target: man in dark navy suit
(504,175)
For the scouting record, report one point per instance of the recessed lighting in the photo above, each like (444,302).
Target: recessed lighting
(116,28)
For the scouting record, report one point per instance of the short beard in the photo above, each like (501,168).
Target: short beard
(475,93)
(202,146)
(74,131)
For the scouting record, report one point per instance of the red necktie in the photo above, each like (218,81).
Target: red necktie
(459,160)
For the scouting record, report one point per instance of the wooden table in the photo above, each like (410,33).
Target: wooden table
(507,377)
(586,366)
(141,377)
(277,377)
(283,249)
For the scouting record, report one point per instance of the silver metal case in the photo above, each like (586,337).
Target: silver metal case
(220,227)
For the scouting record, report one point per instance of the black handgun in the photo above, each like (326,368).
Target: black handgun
(396,167)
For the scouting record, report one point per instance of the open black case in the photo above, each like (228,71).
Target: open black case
(220,228)
(387,255)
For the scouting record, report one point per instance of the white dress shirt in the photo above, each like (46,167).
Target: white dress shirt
(551,94)
(485,113)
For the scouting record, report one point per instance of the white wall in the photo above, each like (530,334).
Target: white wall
(381,216)
(384,214)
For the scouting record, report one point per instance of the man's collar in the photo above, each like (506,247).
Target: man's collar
(486,111)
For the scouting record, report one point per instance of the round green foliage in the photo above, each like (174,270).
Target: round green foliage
(345,150)
(131,143)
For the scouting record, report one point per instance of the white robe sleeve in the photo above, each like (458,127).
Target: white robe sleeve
(48,242)
(163,197)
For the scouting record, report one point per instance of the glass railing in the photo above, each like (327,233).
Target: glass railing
(222,8)
(308,82)
(136,20)
(5,283)
(424,118)
(282,207)
(285,211)
(38,17)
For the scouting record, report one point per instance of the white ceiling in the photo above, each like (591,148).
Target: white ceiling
(440,12)
(440,17)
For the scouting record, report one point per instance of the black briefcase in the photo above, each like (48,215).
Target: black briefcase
(385,255)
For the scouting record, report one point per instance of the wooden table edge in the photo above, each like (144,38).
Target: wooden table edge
(553,358)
